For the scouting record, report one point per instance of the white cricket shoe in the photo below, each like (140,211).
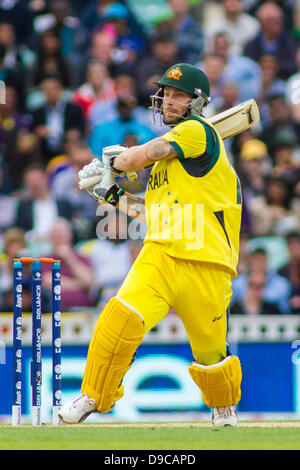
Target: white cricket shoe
(224,416)
(76,411)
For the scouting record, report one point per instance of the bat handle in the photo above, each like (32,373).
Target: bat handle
(88,182)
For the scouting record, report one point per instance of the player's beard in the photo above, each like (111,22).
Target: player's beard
(174,118)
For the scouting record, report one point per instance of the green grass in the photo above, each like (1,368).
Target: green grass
(151,437)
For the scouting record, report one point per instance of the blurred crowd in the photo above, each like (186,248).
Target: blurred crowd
(78,76)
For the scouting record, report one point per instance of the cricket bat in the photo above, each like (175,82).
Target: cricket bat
(228,123)
(237,119)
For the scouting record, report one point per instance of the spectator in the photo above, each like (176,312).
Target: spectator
(97,87)
(125,84)
(103,111)
(62,161)
(38,210)
(285,156)
(7,209)
(94,15)
(67,29)
(129,44)
(238,141)
(293,89)
(50,61)
(291,271)
(272,39)
(239,69)
(285,5)
(213,66)
(115,44)
(116,131)
(91,15)
(163,53)
(16,54)
(186,29)
(280,122)
(113,244)
(13,77)
(277,289)
(229,98)
(238,25)
(274,214)
(18,145)
(77,276)
(56,118)
(64,186)
(8,298)
(253,167)
(254,302)
(14,244)
(270,84)
(17,14)
(102,48)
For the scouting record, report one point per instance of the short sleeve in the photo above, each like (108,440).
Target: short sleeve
(190,138)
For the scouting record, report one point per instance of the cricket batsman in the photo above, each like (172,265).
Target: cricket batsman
(192,208)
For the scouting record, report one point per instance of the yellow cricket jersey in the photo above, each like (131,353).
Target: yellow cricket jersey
(193,202)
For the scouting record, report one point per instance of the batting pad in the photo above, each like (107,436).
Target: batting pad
(219,383)
(118,333)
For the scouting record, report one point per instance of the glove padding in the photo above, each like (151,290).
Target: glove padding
(90,174)
(113,151)
(99,182)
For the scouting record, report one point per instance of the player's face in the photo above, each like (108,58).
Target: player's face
(175,104)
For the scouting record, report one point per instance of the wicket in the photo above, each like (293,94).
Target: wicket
(36,363)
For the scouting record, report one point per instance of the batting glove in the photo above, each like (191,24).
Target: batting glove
(108,156)
(90,174)
(99,182)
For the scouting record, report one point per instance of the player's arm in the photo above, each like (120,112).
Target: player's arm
(141,156)
(186,140)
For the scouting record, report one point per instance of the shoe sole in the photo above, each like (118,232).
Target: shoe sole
(83,418)
(226,425)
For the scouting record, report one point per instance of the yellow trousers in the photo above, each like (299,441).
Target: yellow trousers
(198,292)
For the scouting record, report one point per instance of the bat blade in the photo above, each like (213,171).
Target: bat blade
(237,119)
